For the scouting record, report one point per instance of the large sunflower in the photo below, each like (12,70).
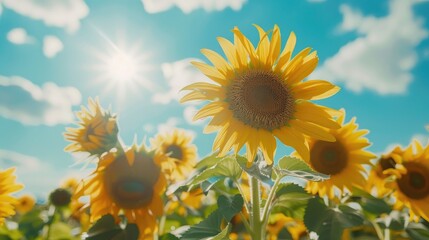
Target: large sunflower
(130,183)
(97,131)
(7,187)
(177,146)
(387,165)
(343,159)
(259,94)
(412,188)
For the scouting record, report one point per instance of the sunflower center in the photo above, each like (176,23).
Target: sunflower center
(384,164)
(415,183)
(259,99)
(131,187)
(328,157)
(175,151)
(132,193)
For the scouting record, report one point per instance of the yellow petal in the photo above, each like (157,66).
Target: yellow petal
(230,51)
(209,110)
(311,112)
(312,130)
(287,52)
(268,145)
(210,72)
(217,60)
(315,90)
(296,140)
(263,46)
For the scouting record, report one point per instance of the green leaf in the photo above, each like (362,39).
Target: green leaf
(207,185)
(259,169)
(417,231)
(225,167)
(104,228)
(209,227)
(208,161)
(370,203)
(168,236)
(291,200)
(60,231)
(131,232)
(224,235)
(31,224)
(329,223)
(296,167)
(230,207)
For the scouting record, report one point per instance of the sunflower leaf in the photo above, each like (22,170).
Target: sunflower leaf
(259,169)
(224,234)
(209,227)
(225,167)
(329,223)
(295,167)
(417,231)
(370,203)
(291,200)
(230,207)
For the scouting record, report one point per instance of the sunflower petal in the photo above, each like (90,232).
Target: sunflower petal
(312,130)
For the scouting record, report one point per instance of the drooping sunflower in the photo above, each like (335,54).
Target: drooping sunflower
(387,165)
(25,203)
(7,187)
(178,146)
(130,183)
(97,130)
(412,188)
(343,159)
(258,94)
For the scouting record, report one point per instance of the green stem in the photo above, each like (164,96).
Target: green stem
(256,210)
(246,223)
(378,230)
(386,234)
(267,207)
(240,189)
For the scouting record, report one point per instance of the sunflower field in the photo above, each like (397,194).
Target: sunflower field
(256,97)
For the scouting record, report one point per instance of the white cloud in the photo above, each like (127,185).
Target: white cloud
(52,46)
(189,113)
(23,101)
(58,13)
(168,126)
(382,57)
(38,176)
(178,75)
(19,36)
(187,6)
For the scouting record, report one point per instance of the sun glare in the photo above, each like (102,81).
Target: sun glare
(120,67)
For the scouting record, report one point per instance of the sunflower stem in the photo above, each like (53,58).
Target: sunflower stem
(267,207)
(387,234)
(257,232)
(246,223)
(240,189)
(377,230)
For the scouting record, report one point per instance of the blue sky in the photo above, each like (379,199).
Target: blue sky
(55,54)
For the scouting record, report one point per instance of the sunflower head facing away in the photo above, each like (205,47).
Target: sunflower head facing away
(97,131)
(130,183)
(343,159)
(7,187)
(412,187)
(387,165)
(177,146)
(258,93)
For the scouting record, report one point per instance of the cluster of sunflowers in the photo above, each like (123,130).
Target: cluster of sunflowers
(329,187)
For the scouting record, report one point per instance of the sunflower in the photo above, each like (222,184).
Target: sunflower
(97,132)
(279,221)
(177,146)
(129,182)
(25,203)
(387,165)
(343,159)
(259,94)
(412,188)
(7,187)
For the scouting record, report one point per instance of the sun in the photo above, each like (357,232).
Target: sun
(120,66)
